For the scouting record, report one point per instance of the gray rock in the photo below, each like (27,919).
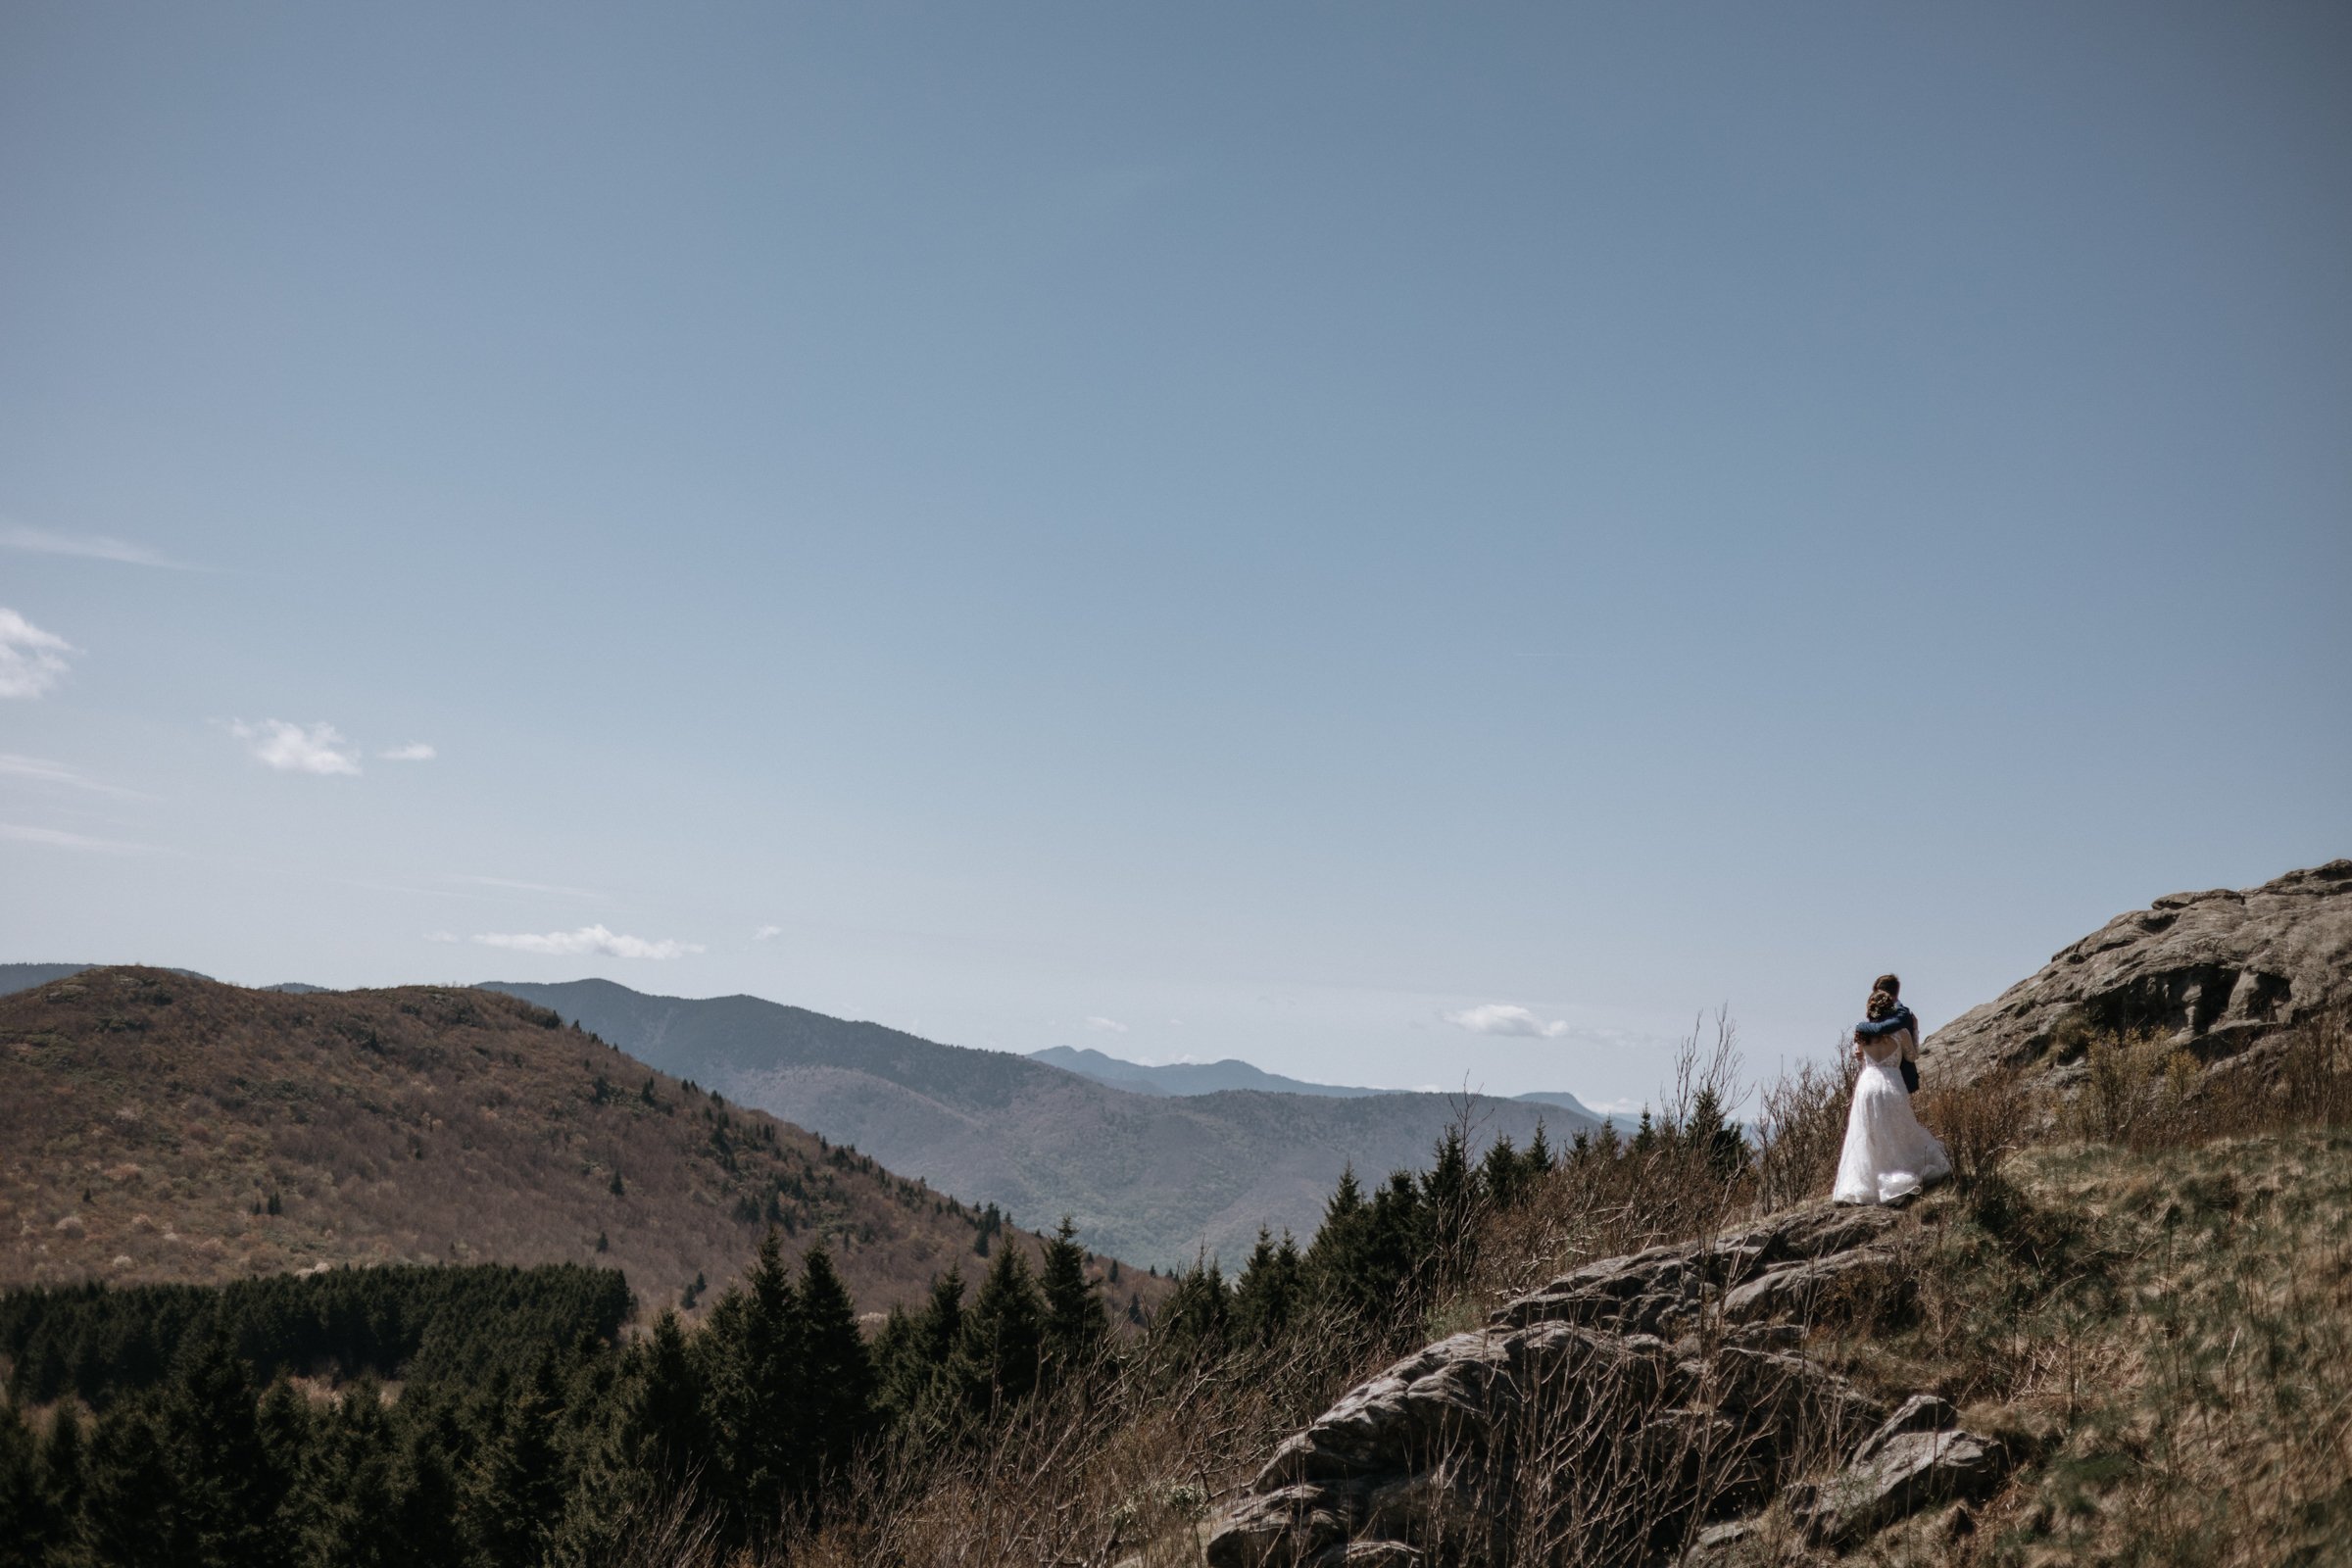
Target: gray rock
(1922,1412)
(1402,1463)
(1907,1472)
(2216,971)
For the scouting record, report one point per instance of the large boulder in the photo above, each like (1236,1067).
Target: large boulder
(2216,971)
(1571,1388)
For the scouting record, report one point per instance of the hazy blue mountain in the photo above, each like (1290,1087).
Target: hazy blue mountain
(1588,1117)
(1185,1077)
(1209,1077)
(1149,1177)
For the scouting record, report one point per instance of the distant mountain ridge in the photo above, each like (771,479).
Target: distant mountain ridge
(1210,1077)
(1146,1176)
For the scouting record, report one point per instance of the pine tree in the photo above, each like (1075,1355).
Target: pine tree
(836,1374)
(1646,1136)
(1075,1326)
(662,1427)
(916,1354)
(513,1495)
(1538,1160)
(1266,1298)
(64,1477)
(224,1502)
(1004,1335)
(751,1344)
(1501,1175)
(1197,1320)
(1709,1135)
(28,1531)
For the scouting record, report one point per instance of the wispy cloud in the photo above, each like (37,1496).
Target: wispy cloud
(1502,1018)
(88,546)
(414,752)
(516,885)
(58,839)
(298,748)
(40,770)
(1107,1025)
(767,933)
(588,939)
(440,936)
(31,661)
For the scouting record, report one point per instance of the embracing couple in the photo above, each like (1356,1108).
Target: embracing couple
(1889,1155)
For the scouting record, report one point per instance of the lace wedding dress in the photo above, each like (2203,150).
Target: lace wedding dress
(1889,1155)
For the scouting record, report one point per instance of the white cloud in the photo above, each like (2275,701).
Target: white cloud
(40,770)
(1502,1018)
(299,748)
(414,752)
(31,661)
(1108,1025)
(59,840)
(767,933)
(90,546)
(587,938)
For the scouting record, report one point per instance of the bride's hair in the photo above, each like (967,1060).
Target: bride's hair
(1881,1005)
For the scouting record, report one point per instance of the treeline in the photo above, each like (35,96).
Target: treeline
(404,1321)
(553,1443)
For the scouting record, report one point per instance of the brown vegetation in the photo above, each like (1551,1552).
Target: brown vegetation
(160,1127)
(2158,1326)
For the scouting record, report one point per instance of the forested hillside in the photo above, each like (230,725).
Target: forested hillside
(161,1127)
(1153,1177)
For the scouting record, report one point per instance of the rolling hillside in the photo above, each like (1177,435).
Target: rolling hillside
(1209,1077)
(1146,1176)
(162,1127)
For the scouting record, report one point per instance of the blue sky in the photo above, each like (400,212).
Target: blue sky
(1190,530)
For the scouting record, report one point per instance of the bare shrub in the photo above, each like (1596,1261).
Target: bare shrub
(1800,1130)
(1981,1124)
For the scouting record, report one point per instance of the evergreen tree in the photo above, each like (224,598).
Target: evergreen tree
(64,1480)
(1004,1335)
(513,1494)
(1709,1135)
(130,1519)
(752,1345)
(917,1355)
(1266,1298)
(1501,1175)
(227,1487)
(1198,1319)
(1538,1160)
(1075,1326)
(836,1374)
(28,1531)
(1645,1135)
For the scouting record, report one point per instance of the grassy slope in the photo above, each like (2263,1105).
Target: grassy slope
(1146,1176)
(147,1113)
(2167,1336)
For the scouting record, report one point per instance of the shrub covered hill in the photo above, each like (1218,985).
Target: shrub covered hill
(160,1127)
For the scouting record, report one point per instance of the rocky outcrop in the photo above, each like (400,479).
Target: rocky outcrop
(1919,1458)
(1602,1416)
(2215,970)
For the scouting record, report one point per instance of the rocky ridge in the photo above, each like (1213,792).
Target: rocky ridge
(1677,1378)
(2218,971)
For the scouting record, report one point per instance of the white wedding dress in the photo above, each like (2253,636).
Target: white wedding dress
(1889,1155)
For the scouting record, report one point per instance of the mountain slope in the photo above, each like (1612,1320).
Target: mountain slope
(1145,1176)
(1209,1077)
(161,1127)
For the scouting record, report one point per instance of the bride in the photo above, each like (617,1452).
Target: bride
(1889,1155)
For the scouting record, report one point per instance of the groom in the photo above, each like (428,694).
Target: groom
(1900,1018)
